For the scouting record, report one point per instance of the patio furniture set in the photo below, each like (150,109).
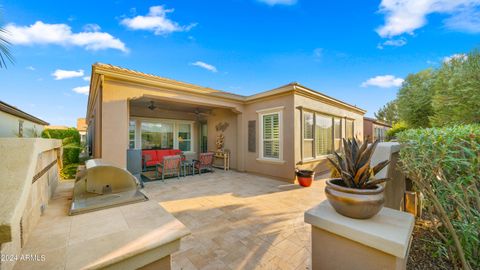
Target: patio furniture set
(173,163)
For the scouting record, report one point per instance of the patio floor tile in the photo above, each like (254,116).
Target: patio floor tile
(239,220)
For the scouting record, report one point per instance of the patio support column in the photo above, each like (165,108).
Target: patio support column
(115,117)
(241,131)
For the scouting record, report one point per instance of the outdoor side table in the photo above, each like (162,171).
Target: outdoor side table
(225,156)
(187,167)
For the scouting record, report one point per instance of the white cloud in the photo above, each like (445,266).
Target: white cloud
(393,42)
(279,2)
(86,78)
(82,90)
(467,20)
(205,66)
(384,81)
(156,21)
(61,74)
(91,27)
(32,68)
(318,52)
(61,34)
(457,56)
(405,16)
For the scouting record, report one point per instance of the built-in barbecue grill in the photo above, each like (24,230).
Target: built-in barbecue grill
(102,185)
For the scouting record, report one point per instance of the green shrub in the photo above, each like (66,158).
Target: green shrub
(444,164)
(71,144)
(69,171)
(396,128)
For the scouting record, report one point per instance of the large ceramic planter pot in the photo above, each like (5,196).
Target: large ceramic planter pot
(305,177)
(354,203)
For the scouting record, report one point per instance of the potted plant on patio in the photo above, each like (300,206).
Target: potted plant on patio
(305,177)
(356,194)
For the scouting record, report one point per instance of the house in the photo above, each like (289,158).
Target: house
(57,127)
(269,133)
(375,129)
(17,123)
(82,129)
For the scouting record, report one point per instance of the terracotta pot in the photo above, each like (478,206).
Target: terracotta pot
(305,177)
(305,181)
(354,203)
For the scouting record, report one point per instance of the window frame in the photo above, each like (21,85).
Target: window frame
(178,135)
(312,140)
(261,114)
(353,128)
(316,156)
(130,140)
(174,122)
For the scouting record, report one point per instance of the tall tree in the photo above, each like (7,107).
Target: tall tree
(457,91)
(388,113)
(4,46)
(414,99)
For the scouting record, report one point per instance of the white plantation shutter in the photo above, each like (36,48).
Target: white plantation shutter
(271,136)
(308,123)
(349,132)
(323,134)
(337,134)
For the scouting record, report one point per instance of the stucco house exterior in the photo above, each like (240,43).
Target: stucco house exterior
(374,129)
(17,123)
(82,129)
(269,133)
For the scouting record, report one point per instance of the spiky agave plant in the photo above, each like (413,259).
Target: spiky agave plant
(354,167)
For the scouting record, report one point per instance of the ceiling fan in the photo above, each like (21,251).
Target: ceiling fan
(152,105)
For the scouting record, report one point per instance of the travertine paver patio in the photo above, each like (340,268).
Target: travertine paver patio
(239,220)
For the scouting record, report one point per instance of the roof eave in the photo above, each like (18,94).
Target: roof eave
(7,108)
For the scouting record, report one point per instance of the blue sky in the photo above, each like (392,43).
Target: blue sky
(356,51)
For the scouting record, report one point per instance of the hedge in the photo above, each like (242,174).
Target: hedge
(71,143)
(396,128)
(444,164)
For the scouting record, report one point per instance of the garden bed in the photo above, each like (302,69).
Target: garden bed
(422,250)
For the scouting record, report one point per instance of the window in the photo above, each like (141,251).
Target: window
(379,133)
(270,122)
(323,134)
(203,137)
(271,138)
(337,134)
(20,128)
(349,130)
(157,135)
(185,137)
(149,133)
(308,151)
(131,135)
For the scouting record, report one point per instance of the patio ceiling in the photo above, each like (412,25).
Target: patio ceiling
(172,106)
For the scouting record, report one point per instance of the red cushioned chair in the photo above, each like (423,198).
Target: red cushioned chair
(170,166)
(204,162)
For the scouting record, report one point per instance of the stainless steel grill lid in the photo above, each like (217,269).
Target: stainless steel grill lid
(102,186)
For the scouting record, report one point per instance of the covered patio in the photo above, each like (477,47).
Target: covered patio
(239,220)
(157,124)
